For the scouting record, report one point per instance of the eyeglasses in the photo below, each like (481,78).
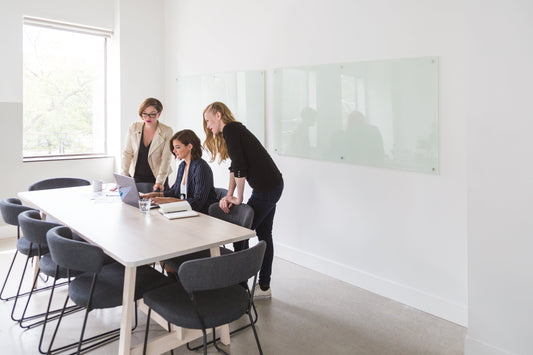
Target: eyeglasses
(151,115)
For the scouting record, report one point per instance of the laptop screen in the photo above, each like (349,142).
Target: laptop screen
(127,189)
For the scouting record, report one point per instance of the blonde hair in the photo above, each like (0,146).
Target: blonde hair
(215,144)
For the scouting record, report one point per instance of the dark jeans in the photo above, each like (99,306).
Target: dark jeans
(264,205)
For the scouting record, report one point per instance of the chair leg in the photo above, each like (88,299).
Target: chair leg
(57,326)
(216,345)
(9,271)
(107,336)
(46,317)
(255,334)
(7,277)
(68,310)
(136,317)
(254,320)
(18,291)
(205,341)
(83,328)
(29,298)
(146,331)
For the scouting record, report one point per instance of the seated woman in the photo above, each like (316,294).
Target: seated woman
(194,181)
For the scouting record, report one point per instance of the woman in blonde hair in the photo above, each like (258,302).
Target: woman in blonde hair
(227,138)
(145,155)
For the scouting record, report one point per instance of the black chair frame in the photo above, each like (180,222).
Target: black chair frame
(30,222)
(100,339)
(11,208)
(191,287)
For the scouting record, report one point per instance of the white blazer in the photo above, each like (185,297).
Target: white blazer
(159,155)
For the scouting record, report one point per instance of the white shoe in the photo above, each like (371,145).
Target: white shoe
(262,295)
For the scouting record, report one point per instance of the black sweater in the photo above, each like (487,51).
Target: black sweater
(249,158)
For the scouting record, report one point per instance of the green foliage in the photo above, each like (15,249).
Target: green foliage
(63,92)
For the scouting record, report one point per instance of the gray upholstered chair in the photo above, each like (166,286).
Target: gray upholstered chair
(221,192)
(241,215)
(145,187)
(56,183)
(100,286)
(210,293)
(35,229)
(10,209)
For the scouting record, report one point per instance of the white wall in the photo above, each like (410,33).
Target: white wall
(139,75)
(400,234)
(500,177)
(141,37)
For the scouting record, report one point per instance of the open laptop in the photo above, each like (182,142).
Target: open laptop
(128,191)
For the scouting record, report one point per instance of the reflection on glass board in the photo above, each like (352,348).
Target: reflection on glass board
(379,113)
(242,92)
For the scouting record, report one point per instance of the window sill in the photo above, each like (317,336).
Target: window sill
(65,157)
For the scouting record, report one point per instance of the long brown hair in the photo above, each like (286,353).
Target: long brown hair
(215,144)
(187,137)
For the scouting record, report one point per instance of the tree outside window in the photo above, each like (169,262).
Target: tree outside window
(64,90)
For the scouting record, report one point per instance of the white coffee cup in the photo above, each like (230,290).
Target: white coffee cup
(97,185)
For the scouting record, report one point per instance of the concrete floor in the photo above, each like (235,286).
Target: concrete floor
(310,313)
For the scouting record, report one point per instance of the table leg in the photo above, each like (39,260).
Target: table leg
(127,310)
(36,269)
(224,330)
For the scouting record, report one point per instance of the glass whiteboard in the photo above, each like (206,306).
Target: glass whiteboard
(379,113)
(243,92)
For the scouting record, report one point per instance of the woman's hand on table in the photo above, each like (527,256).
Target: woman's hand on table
(162,200)
(152,195)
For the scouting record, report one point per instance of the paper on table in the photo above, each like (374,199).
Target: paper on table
(180,214)
(174,207)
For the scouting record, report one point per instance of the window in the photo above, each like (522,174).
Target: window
(64,89)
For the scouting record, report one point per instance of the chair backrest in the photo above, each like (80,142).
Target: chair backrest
(221,271)
(242,215)
(56,183)
(34,228)
(221,192)
(73,254)
(145,187)
(11,208)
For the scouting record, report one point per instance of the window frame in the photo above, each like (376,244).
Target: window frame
(88,30)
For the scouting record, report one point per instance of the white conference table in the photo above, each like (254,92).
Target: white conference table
(134,239)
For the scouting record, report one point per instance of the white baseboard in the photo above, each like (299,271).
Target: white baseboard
(477,347)
(454,312)
(7,231)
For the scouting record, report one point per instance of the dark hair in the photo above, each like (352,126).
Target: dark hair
(187,137)
(151,102)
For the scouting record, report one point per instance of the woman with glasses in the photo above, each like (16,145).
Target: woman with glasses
(146,156)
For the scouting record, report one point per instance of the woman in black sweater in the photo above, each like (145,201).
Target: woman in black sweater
(227,138)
